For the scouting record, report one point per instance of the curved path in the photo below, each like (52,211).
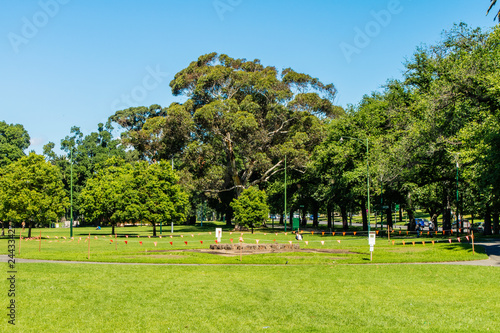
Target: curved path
(492,249)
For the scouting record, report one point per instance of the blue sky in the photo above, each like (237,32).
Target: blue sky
(74,63)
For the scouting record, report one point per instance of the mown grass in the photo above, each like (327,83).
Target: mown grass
(352,249)
(356,298)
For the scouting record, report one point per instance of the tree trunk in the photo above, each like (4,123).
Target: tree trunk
(281,218)
(303,222)
(411,218)
(495,222)
(487,220)
(345,218)
(400,214)
(495,217)
(363,215)
(290,219)
(315,214)
(229,217)
(113,228)
(329,217)
(29,229)
(390,222)
(154,229)
(447,220)
(3,229)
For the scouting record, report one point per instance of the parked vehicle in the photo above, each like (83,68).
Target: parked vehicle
(478,227)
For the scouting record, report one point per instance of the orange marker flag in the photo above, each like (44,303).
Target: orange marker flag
(201,242)
(449,240)
(322,233)
(432,242)
(376,232)
(290,242)
(312,232)
(230,232)
(265,234)
(149,236)
(111,240)
(286,233)
(393,242)
(459,239)
(185,242)
(155,243)
(307,243)
(413,243)
(443,232)
(467,237)
(257,241)
(404,243)
(192,235)
(171,236)
(126,242)
(216,241)
(126,236)
(231,240)
(171,243)
(338,240)
(407,233)
(160,236)
(322,242)
(138,236)
(355,233)
(333,233)
(343,234)
(95,237)
(423,243)
(140,243)
(182,236)
(399,232)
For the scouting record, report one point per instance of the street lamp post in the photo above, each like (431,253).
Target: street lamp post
(284,213)
(367,174)
(71,195)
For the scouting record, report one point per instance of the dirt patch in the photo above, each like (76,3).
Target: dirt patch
(250,250)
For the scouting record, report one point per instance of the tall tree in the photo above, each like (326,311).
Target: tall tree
(14,139)
(32,191)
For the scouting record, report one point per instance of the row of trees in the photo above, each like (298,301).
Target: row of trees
(431,135)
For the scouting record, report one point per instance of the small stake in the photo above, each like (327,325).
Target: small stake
(40,244)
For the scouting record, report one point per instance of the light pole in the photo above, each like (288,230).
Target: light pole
(71,194)
(458,216)
(284,213)
(367,174)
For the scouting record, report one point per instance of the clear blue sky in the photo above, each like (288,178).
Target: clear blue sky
(71,62)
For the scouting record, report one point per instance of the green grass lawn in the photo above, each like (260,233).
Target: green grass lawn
(317,298)
(187,243)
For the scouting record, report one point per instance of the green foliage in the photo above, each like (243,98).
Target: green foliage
(14,139)
(238,123)
(250,208)
(121,192)
(31,191)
